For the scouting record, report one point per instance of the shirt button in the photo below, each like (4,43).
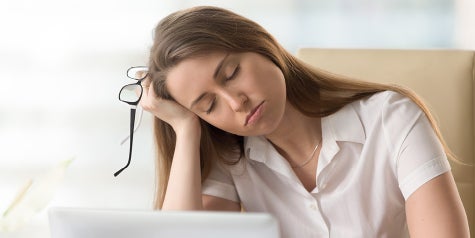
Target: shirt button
(313,207)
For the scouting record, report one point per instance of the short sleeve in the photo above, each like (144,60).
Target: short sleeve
(419,155)
(220,183)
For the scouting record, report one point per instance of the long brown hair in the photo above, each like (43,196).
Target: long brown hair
(200,30)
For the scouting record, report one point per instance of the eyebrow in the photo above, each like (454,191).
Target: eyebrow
(215,75)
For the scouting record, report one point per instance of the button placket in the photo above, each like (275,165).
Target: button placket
(320,221)
(314,206)
(322,182)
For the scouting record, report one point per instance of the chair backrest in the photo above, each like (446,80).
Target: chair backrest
(443,78)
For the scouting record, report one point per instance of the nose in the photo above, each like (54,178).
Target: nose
(237,101)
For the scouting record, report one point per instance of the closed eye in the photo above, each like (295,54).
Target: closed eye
(210,109)
(234,74)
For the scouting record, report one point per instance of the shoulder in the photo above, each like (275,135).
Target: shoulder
(388,113)
(369,117)
(383,101)
(386,106)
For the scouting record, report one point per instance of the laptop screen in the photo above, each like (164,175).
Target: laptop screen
(92,223)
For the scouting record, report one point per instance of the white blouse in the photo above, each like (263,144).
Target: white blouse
(376,152)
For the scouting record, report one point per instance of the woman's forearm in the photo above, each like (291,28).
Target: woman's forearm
(184,184)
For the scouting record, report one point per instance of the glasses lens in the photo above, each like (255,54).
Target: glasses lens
(130,93)
(137,72)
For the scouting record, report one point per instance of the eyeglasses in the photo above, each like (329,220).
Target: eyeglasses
(131,94)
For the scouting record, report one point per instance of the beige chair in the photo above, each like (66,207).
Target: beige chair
(443,78)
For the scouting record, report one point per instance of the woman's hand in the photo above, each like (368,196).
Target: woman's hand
(168,111)
(184,183)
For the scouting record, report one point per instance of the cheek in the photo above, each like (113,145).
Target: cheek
(220,120)
(223,121)
(271,79)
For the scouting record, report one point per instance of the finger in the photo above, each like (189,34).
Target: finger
(148,98)
(140,74)
(151,91)
(146,82)
(144,100)
(137,91)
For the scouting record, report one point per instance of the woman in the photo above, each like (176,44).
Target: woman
(241,124)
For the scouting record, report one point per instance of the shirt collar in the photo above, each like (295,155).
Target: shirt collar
(344,125)
(257,148)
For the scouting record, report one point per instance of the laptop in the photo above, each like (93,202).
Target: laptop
(67,222)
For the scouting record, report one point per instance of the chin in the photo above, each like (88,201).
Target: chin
(264,128)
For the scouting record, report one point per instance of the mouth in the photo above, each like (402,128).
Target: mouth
(254,114)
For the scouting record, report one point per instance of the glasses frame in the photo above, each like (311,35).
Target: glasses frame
(133,107)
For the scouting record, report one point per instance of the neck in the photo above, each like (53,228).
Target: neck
(296,136)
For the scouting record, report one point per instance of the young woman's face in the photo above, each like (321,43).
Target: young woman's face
(243,93)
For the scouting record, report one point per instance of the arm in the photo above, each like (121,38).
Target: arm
(433,206)
(435,210)
(185,177)
(184,184)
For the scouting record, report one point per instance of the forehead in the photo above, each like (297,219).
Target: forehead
(192,76)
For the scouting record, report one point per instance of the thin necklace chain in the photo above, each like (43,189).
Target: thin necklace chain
(309,158)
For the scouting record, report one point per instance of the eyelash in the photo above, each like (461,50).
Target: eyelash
(233,75)
(235,72)
(211,107)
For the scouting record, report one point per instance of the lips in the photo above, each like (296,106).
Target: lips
(254,114)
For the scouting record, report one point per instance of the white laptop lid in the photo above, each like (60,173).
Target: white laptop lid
(92,223)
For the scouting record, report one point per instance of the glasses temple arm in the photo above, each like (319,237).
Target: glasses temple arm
(139,119)
(132,122)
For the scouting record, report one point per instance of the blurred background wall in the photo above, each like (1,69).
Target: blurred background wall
(62,64)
